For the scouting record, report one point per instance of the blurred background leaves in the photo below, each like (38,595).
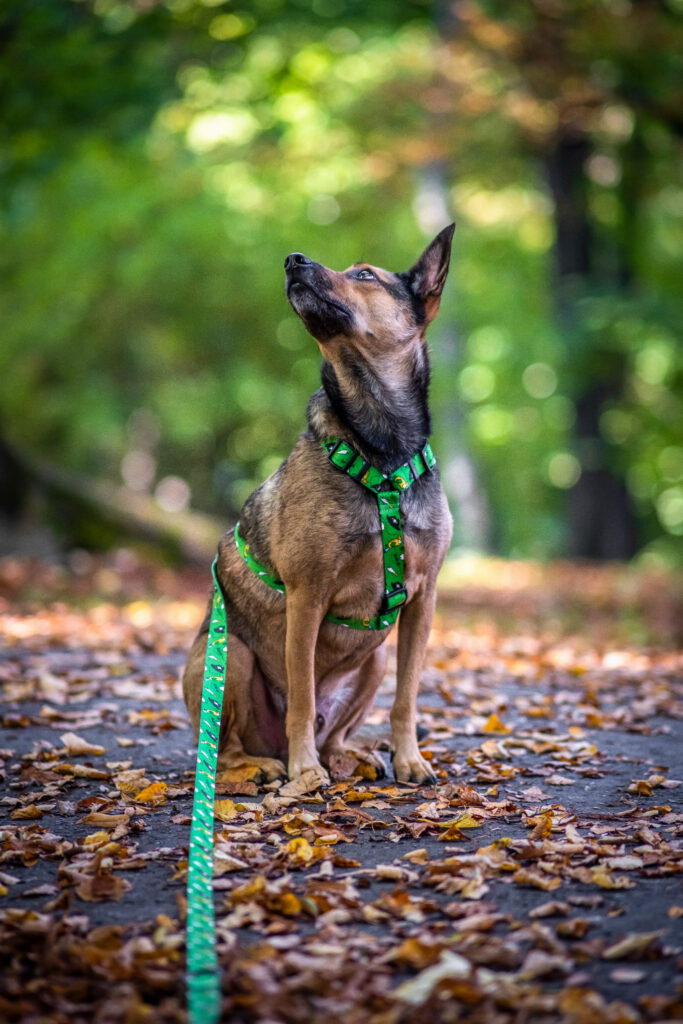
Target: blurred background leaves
(159,158)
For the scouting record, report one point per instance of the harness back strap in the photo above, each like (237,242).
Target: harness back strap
(387,490)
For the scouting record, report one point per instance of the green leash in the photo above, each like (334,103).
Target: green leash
(203,987)
(204,997)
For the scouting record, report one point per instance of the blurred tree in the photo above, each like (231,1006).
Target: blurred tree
(595,90)
(160,159)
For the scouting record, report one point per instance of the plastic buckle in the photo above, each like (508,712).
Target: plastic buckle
(331,455)
(393,599)
(429,465)
(362,469)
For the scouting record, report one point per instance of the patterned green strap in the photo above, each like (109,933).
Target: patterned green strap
(381,621)
(204,997)
(387,490)
(344,457)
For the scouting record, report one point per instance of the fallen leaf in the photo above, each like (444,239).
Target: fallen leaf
(154,794)
(225,810)
(634,946)
(536,879)
(494,724)
(77,745)
(29,811)
(450,966)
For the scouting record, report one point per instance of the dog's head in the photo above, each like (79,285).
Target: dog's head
(372,306)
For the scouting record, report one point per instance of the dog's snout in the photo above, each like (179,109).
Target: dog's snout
(297,259)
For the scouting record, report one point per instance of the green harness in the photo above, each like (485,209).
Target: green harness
(202,962)
(387,490)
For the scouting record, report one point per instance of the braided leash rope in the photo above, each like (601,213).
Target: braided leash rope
(203,986)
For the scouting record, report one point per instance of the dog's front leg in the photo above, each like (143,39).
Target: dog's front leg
(414,625)
(303,624)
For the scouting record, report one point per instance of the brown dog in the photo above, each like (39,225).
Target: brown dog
(297,685)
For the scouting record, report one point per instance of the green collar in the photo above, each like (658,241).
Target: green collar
(387,490)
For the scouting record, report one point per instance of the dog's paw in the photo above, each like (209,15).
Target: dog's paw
(312,775)
(413,768)
(272,769)
(348,760)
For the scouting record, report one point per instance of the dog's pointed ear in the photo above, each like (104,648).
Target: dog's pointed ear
(428,276)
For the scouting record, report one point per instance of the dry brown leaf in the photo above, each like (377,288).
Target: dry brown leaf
(634,946)
(450,966)
(308,782)
(105,820)
(29,811)
(536,879)
(77,745)
(104,885)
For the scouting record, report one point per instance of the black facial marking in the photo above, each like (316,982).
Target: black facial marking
(390,427)
(416,304)
(309,295)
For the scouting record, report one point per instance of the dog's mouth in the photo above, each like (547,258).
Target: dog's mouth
(322,314)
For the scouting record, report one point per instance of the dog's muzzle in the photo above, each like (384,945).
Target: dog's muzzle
(297,259)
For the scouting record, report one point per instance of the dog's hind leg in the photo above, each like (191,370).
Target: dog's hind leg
(238,724)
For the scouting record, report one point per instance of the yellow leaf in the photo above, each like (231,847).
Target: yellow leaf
(543,824)
(152,794)
(466,820)
(602,877)
(96,839)
(450,834)
(29,811)
(288,904)
(225,810)
(494,724)
(247,892)
(300,849)
(239,773)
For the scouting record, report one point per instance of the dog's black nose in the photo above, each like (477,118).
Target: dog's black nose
(297,259)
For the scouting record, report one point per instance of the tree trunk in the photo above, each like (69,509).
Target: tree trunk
(600,513)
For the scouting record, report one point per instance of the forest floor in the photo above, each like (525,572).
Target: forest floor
(538,881)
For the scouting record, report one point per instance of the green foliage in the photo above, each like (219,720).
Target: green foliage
(161,160)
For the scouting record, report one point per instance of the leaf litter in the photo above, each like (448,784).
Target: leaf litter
(538,880)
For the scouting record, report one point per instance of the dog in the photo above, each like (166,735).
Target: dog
(311,548)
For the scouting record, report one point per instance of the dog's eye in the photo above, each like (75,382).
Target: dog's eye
(365,275)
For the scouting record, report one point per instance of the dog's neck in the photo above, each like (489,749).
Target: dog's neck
(381,409)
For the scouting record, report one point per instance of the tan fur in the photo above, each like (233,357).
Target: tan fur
(286,664)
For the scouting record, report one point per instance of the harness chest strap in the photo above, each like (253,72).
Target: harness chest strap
(387,490)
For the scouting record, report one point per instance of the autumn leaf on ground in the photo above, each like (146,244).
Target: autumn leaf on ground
(77,745)
(494,724)
(637,946)
(154,794)
(104,885)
